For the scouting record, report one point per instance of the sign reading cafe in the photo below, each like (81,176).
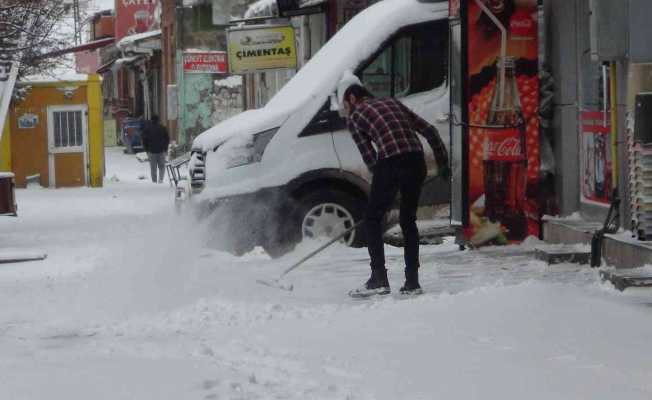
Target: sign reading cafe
(259,48)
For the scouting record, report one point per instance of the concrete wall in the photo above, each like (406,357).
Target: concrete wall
(577,87)
(562,54)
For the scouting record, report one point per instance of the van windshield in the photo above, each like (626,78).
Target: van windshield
(358,40)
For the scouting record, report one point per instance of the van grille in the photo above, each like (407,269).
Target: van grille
(198,172)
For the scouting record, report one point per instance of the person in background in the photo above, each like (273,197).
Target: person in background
(397,163)
(155,142)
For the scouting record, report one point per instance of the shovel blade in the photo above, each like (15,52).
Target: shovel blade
(276,284)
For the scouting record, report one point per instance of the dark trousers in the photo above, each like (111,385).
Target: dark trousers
(404,173)
(157,160)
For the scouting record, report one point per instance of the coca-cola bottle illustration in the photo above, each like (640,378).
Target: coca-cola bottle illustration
(505,155)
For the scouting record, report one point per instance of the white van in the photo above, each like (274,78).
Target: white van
(291,170)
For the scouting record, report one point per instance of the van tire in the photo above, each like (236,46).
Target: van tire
(289,233)
(352,204)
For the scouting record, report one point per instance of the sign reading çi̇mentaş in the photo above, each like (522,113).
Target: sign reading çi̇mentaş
(259,48)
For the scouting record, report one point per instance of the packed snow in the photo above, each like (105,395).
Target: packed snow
(132,302)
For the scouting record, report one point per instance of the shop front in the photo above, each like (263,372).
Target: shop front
(56,134)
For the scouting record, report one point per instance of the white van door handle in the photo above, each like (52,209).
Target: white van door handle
(443,118)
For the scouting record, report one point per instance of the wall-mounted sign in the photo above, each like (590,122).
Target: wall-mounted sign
(205,62)
(27,121)
(595,157)
(260,48)
(134,16)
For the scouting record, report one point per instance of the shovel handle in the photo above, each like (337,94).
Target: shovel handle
(320,249)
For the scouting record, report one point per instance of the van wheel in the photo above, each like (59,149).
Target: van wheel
(321,214)
(328,213)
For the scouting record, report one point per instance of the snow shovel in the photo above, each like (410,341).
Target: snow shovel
(279,285)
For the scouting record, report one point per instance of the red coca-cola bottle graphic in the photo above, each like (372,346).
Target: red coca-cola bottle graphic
(505,155)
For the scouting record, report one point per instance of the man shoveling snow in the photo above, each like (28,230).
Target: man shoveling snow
(397,163)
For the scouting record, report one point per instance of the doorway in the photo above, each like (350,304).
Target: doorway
(67,146)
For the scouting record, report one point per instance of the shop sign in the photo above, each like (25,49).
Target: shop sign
(260,48)
(205,62)
(27,121)
(503,131)
(134,16)
(595,157)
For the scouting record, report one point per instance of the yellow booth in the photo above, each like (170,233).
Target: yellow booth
(55,134)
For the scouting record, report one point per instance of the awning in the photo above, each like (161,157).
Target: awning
(105,67)
(147,40)
(128,60)
(82,47)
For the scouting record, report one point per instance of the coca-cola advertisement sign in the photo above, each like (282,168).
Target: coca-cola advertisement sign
(135,16)
(503,123)
(503,146)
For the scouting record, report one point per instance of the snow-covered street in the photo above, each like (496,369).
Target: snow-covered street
(132,303)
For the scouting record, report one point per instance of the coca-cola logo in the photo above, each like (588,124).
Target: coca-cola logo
(522,24)
(509,148)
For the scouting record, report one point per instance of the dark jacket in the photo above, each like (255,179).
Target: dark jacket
(155,138)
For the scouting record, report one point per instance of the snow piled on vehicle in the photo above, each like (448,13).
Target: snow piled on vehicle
(354,43)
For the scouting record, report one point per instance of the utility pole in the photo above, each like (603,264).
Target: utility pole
(78,22)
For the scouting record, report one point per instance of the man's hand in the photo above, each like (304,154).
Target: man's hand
(445,172)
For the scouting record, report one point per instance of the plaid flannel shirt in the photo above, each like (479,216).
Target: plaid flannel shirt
(391,127)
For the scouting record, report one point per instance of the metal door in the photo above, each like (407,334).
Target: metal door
(67,146)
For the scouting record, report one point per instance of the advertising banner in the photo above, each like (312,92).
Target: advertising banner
(134,16)
(503,125)
(260,48)
(595,157)
(205,62)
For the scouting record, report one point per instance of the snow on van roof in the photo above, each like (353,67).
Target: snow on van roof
(372,26)
(320,76)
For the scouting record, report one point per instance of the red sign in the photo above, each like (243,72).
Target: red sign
(595,157)
(205,62)
(134,16)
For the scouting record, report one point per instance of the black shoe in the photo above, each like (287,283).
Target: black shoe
(376,285)
(411,286)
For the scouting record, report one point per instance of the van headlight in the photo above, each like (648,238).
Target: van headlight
(251,150)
